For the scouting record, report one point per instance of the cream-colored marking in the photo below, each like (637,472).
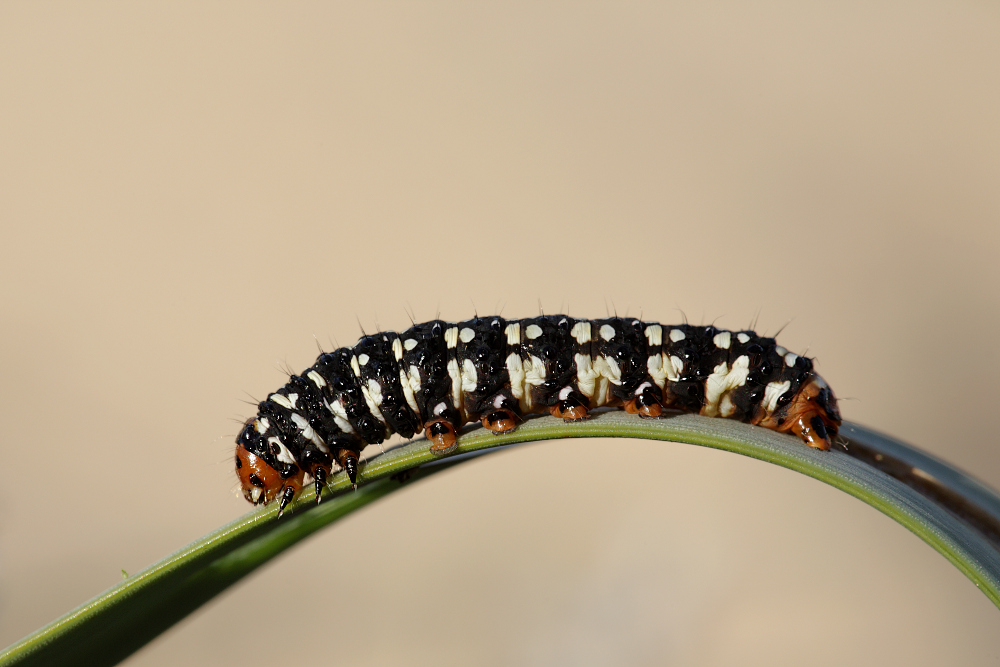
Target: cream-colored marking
(654,366)
(397,348)
(722,340)
(363,359)
(466,334)
(780,350)
(261,425)
(498,401)
(355,367)
(470,379)
(451,337)
(283,454)
(586,376)
(409,344)
(280,400)
(293,399)
(339,415)
(316,378)
(772,392)
(532,331)
(513,332)
(642,387)
(722,381)
(742,337)
(581,332)
(456,386)
(565,392)
(563,321)
(677,335)
(654,334)
(607,331)
(373,397)
(534,375)
(609,373)
(411,400)
(309,433)
(255,494)
(440,409)
(515,370)
(790,359)
(677,366)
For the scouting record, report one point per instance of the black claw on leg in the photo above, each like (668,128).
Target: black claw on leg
(320,477)
(286,498)
(351,466)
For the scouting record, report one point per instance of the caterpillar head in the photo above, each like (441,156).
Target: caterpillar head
(263,476)
(811,414)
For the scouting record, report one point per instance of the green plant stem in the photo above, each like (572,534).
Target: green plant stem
(946,508)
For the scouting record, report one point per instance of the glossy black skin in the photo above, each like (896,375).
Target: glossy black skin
(488,351)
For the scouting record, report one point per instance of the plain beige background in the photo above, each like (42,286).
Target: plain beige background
(192,195)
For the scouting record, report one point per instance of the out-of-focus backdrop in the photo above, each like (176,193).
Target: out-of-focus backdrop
(193,195)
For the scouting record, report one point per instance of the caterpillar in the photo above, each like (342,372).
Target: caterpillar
(438,376)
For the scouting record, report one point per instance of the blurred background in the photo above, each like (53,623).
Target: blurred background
(193,195)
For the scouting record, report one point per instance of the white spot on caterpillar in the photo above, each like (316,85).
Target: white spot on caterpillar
(654,334)
(397,348)
(780,350)
(373,397)
(404,380)
(451,337)
(515,370)
(586,376)
(339,415)
(642,387)
(676,335)
(363,359)
(355,367)
(293,399)
(677,366)
(282,454)
(316,378)
(255,494)
(513,332)
(790,359)
(261,425)
(466,334)
(607,331)
(440,409)
(563,321)
(722,340)
(533,331)
(280,400)
(654,366)
(581,332)
(534,375)
(772,392)
(742,337)
(722,381)
(409,344)
(470,379)
(565,392)
(498,401)
(308,432)
(456,386)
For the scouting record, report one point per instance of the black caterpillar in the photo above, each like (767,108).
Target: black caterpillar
(437,376)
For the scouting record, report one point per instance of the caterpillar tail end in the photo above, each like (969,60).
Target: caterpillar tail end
(812,415)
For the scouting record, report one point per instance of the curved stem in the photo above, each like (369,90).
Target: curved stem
(946,508)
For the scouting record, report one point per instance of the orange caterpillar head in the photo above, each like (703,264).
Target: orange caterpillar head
(811,414)
(263,477)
